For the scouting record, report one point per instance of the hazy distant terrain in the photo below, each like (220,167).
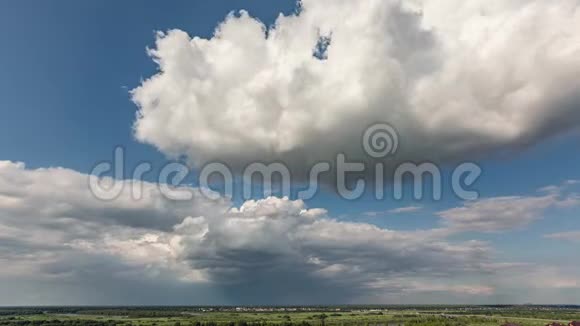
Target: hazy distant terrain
(287,316)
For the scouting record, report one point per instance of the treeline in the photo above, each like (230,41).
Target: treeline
(36,310)
(56,322)
(134,313)
(429,321)
(79,322)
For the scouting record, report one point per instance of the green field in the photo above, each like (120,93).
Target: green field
(315,316)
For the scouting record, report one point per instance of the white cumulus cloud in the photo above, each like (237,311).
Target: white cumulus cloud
(454,78)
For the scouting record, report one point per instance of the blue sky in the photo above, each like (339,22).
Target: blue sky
(67,69)
(66,90)
(66,73)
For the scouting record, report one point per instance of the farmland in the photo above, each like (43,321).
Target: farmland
(288,316)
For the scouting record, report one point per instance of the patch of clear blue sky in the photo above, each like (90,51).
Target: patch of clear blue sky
(66,67)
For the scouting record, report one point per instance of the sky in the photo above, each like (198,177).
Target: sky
(492,83)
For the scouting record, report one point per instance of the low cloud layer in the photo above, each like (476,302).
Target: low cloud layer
(56,235)
(456,79)
(277,247)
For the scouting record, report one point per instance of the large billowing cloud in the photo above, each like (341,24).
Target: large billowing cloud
(453,77)
(59,242)
(53,229)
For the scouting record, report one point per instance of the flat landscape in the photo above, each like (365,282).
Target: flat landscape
(327,315)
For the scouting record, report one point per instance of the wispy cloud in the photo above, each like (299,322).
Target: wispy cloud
(407,209)
(497,214)
(399,210)
(569,236)
(506,213)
